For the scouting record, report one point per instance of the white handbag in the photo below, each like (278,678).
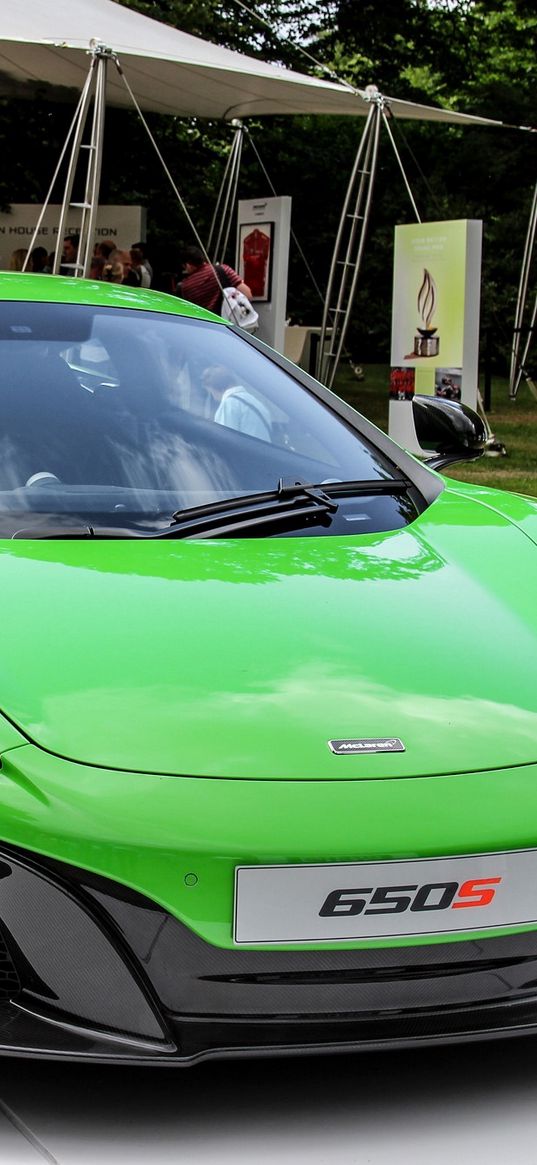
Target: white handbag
(237,308)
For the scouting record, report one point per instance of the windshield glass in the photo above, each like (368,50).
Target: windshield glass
(123,417)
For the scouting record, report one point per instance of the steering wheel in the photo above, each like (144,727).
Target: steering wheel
(43,478)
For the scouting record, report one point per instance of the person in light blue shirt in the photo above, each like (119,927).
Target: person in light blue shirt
(237,407)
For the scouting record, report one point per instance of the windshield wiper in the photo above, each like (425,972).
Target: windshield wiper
(77,532)
(286,490)
(283,506)
(367,487)
(291,505)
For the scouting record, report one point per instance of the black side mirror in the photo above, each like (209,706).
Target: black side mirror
(447,431)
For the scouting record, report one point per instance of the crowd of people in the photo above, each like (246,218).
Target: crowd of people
(201,282)
(108,263)
(39,261)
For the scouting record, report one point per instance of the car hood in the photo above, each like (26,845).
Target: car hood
(242,659)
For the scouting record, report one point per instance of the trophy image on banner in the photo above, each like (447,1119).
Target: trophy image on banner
(426,343)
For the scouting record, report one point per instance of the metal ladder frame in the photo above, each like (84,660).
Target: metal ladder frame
(351,237)
(95,88)
(518,370)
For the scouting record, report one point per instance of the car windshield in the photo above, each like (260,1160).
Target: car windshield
(125,417)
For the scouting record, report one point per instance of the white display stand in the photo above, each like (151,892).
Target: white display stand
(262,260)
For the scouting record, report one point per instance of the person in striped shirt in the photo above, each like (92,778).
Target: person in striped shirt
(200,283)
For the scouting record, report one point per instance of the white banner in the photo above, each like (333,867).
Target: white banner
(125,225)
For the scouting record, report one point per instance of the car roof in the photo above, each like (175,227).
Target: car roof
(16,285)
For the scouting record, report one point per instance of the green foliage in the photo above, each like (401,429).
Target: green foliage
(269,30)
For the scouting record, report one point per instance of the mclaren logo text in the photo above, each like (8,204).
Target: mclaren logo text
(376,744)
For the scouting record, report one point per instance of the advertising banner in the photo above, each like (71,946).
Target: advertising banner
(125,225)
(435,319)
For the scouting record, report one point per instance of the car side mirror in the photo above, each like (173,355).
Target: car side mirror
(447,431)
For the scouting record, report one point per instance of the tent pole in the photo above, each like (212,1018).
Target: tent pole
(232,199)
(225,203)
(48,197)
(95,88)
(518,363)
(348,249)
(351,237)
(386,120)
(90,205)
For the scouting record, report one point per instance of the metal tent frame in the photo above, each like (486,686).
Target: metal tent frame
(521,347)
(353,226)
(94,90)
(351,235)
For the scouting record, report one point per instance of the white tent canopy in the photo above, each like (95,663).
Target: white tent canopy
(46,43)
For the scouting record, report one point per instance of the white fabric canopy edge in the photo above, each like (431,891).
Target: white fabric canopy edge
(169,71)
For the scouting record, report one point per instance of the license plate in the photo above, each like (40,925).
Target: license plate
(395,899)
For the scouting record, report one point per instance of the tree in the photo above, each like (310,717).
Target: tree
(271,31)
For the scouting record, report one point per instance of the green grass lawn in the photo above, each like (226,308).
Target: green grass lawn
(513,423)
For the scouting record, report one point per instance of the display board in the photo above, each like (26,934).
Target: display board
(262,260)
(435,318)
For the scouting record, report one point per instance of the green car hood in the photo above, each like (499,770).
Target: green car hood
(242,659)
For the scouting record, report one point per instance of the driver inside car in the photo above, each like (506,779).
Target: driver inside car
(236,406)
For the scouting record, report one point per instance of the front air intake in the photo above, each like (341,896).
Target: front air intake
(9,980)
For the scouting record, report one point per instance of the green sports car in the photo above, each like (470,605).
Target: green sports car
(270,783)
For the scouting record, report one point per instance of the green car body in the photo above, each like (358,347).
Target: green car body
(166,718)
